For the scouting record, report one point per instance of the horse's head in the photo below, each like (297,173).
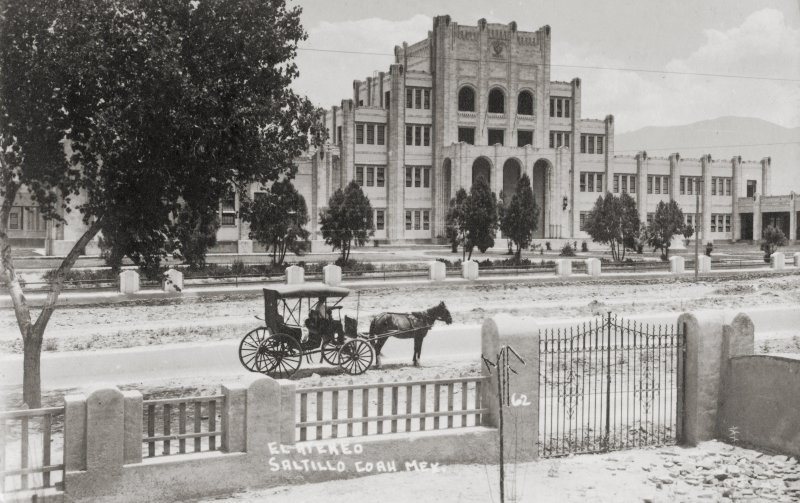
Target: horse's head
(443,314)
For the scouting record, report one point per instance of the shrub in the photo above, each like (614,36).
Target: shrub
(353,265)
(547,245)
(567,251)
(584,247)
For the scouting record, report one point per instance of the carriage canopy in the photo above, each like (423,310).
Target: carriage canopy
(290,298)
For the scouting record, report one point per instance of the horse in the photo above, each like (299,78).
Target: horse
(407,325)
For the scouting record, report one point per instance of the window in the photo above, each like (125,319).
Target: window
(408,221)
(650,218)
(370,134)
(497,101)
(583,182)
(228,209)
(427,96)
(416,221)
(552,107)
(713,186)
(387,99)
(466,100)
(658,185)
(426,220)
(409,98)
(418,136)
(591,182)
(409,177)
(592,144)
(417,177)
(560,107)
(418,97)
(524,138)
(665,185)
(409,135)
(599,140)
(632,183)
(727,223)
(381,177)
(339,134)
(683,185)
(590,141)
(599,179)
(616,184)
(496,136)
(467,135)
(584,216)
(583,144)
(625,184)
(380,222)
(649,184)
(381,134)
(15,218)
(427,136)
(559,139)
(525,103)
(566,108)
(360,175)
(727,186)
(359,133)
(714,223)
(370,176)
(426,177)
(751,188)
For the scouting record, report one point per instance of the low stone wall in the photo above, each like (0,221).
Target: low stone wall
(761,402)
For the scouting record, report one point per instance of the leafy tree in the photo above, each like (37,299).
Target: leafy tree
(195,232)
(277,218)
(668,221)
(454,222)
(614,221)
(771,239)
(140,107)
(348,218)
(521,218)
(480,219)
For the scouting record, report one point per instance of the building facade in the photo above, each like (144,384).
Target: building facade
(471,101)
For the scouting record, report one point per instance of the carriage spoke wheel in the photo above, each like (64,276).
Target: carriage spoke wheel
(356,356)
(279,356)
(330,353)
(248,348)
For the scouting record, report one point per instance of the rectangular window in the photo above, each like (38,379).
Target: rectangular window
(552,140)
(409,177)
(496,136)
(427,133)
(583,144)
(599,140)
(616,184)
(416,220)
(427,105)
(426,220)
(599,178)
(714,223)
(624,183)
(552,109)
(381,178)
(381,134)
(386,99)
(649,184)
(727,186)
(339,134)
(632,182)
(228,209)
(370,176)
(658,185)
(409,135)
(409,98)
(408,221)
(713,186)
(417,136)
(727,223)
(566,108)
(559,109)
(360,175)
(426,177)
(583,221)
(380,223)
(15,219)
(591,144)
(583,182)
(751,188)
(417,177)
(360,133)
(590,182)
(665,185)
(683,185)
(418,96)
(524,138)
(467,135)
(690,186)
(370,134)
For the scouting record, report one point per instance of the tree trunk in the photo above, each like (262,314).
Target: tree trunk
(31,373)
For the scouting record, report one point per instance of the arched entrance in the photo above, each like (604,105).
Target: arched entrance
(512,170)
(541,170)
(482,167)
(447,178)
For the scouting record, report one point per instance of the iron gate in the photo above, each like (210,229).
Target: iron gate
(609,384)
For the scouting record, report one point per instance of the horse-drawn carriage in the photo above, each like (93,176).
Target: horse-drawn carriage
(306,319)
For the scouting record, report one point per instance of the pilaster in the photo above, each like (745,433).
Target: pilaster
(736,224)
(395,176)
(641,185)
(674,175)
(705,162)
(609,154)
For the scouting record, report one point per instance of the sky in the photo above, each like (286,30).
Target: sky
(744,38)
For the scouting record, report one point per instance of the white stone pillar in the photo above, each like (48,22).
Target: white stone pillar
(564,267)
(173,281)
(438,271)
(777,261)
(676,265)
(128,282)
(797,259)
(469,270)
(332,275)
(593,266)
(295,275)
(704,264)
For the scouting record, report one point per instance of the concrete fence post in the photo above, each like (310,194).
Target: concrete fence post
(797,259)
(128,282)
(173,281)
(469,270)
(295,275)
(593,266)
(263,414)
(105,431)
(74,432)
(288,401)
(332,275)
(676,265)
(699,377)
(564,267)
(704,264)
(521,417)
(234,411)
(134,417)
(437,271)
(777,261)
(737,340)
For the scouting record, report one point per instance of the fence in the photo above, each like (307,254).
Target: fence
(31,449)
(388,408)
(175,414)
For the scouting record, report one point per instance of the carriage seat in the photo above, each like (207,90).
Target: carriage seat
(350,327)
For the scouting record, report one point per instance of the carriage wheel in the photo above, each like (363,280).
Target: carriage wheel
(279,356)
(330,353)
(248,348)
(356,356)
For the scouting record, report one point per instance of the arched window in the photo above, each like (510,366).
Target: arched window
(525,103)
(466,100)
(497,101)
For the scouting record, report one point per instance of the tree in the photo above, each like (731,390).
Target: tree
(454,222)
(139,107)
(521,218)
(195,232)
(277,218)
(614,221)
(347,218)
(771,239)
(480,220)
(668,221)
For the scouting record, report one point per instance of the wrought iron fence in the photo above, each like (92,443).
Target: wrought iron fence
(609,384)
(193,419)
(31,449)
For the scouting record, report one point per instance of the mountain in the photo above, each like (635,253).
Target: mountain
(724,138)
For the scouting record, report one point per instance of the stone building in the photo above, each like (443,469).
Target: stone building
(471,101)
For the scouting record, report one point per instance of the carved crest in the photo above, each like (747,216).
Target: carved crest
(497,48)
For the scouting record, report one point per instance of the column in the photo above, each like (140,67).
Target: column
(674,176)
(792,216)
(574,148)
(347,150)
(705,162)
(736,219)
(757,218)
(395,169)
(766,176)
(641,186)
(609,154)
